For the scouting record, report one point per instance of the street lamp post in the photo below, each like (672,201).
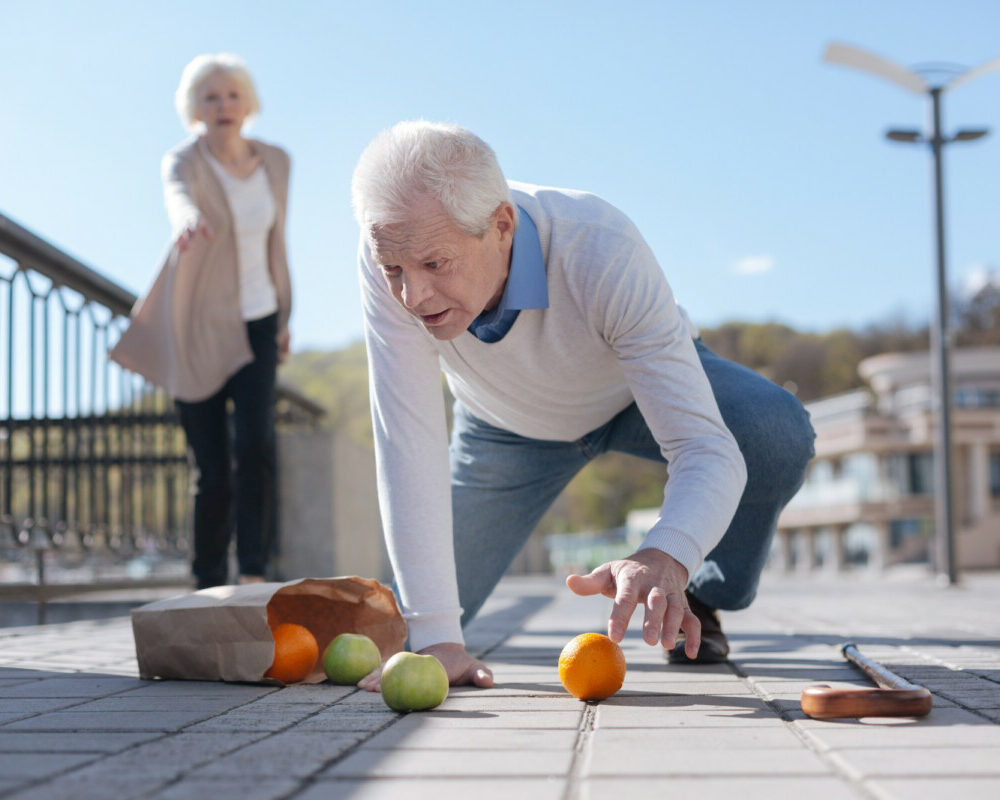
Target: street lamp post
(847,55)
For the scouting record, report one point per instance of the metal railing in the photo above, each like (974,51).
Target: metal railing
(93,464)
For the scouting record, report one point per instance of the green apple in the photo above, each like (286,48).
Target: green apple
(412,682)
(349,657)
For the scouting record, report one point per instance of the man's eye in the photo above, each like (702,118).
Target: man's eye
(432,264)
(390,269)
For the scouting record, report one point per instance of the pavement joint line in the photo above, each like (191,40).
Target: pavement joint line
(19,787)
(581,748)
(307,781)
(803,735)
(267,735)
(311,779)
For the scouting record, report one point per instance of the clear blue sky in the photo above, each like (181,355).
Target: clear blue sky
(714,125)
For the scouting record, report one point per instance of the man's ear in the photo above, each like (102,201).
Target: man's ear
(503,218)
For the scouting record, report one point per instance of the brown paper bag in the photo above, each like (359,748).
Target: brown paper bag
(224,633)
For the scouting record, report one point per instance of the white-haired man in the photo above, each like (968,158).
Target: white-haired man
(560,339)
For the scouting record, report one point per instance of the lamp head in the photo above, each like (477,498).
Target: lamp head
(970,135)
(908,136)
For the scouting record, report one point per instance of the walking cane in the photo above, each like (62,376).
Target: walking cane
(896,697)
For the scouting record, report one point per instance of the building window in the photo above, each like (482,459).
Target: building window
(912,473)
(920,467)
(995,474)
(977,398)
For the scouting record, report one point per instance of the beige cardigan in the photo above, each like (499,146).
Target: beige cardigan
(187,333)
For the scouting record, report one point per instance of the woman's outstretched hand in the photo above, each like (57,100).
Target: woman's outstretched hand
(197,227)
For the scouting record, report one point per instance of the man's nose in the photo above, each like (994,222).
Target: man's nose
(416,289)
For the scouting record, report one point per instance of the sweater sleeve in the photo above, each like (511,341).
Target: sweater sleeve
(177,195)
(641,321)
(411,457)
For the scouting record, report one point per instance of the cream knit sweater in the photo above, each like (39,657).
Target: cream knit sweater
(612,334)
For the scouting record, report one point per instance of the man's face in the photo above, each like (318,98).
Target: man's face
(443,276)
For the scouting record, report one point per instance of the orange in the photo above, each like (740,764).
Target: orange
(295,653)
(591,666)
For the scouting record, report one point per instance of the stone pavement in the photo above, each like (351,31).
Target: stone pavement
(76,723)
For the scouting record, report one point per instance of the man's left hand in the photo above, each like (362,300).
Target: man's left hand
(461,667)
(656,580)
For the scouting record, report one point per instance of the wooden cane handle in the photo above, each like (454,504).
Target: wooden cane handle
(825,702)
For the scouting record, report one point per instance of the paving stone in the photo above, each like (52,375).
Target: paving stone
(672,710)
(37,705)
(269,718)
(909,762)
(493,720)
(442,738)
(607,760)
(290,753)
(934,788)
(71,742)
(70,687)
(244,691)
(706,787)
(713,739)
(463,763)
(38,765)
(479,702)
(157,704)
(915,735)
(103,721)
(337,719)
(119,787)
(226,789)
(326,693)
(497,788)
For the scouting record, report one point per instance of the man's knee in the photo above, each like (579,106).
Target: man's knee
(778,445)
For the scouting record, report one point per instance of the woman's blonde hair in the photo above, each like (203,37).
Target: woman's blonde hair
(198,71)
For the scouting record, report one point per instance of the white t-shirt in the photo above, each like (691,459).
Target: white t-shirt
(612,334)
(254,210)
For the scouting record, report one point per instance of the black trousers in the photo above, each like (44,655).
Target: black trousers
(250,487)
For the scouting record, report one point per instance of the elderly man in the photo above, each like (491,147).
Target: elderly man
(560,340)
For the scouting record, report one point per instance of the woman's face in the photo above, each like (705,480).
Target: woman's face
(222,104)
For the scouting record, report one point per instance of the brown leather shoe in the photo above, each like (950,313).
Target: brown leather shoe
(714,645)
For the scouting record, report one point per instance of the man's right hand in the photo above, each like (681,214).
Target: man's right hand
(461,668)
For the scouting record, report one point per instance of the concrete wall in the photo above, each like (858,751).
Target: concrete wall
(329,520)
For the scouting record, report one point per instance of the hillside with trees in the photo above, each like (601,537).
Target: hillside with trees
(811,365)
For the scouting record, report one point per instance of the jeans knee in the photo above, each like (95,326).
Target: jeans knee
(778,455)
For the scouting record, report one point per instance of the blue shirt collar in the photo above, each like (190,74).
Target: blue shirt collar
(527,285)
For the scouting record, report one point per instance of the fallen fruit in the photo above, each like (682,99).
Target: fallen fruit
(295,653)
(349,657)
(592,667)
(411,682)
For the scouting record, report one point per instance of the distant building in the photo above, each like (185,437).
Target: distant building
(869,494)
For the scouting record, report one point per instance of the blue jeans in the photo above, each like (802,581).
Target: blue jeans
(206,427)
(503,483)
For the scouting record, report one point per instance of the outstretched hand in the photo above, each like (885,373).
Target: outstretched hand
(197,227)
(458,664)
(657,581)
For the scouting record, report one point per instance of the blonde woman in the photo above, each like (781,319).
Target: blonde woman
(214,325)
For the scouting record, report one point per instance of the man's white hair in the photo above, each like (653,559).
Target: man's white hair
(418,158)
(198,71)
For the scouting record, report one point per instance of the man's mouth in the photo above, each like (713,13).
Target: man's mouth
(434,319)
